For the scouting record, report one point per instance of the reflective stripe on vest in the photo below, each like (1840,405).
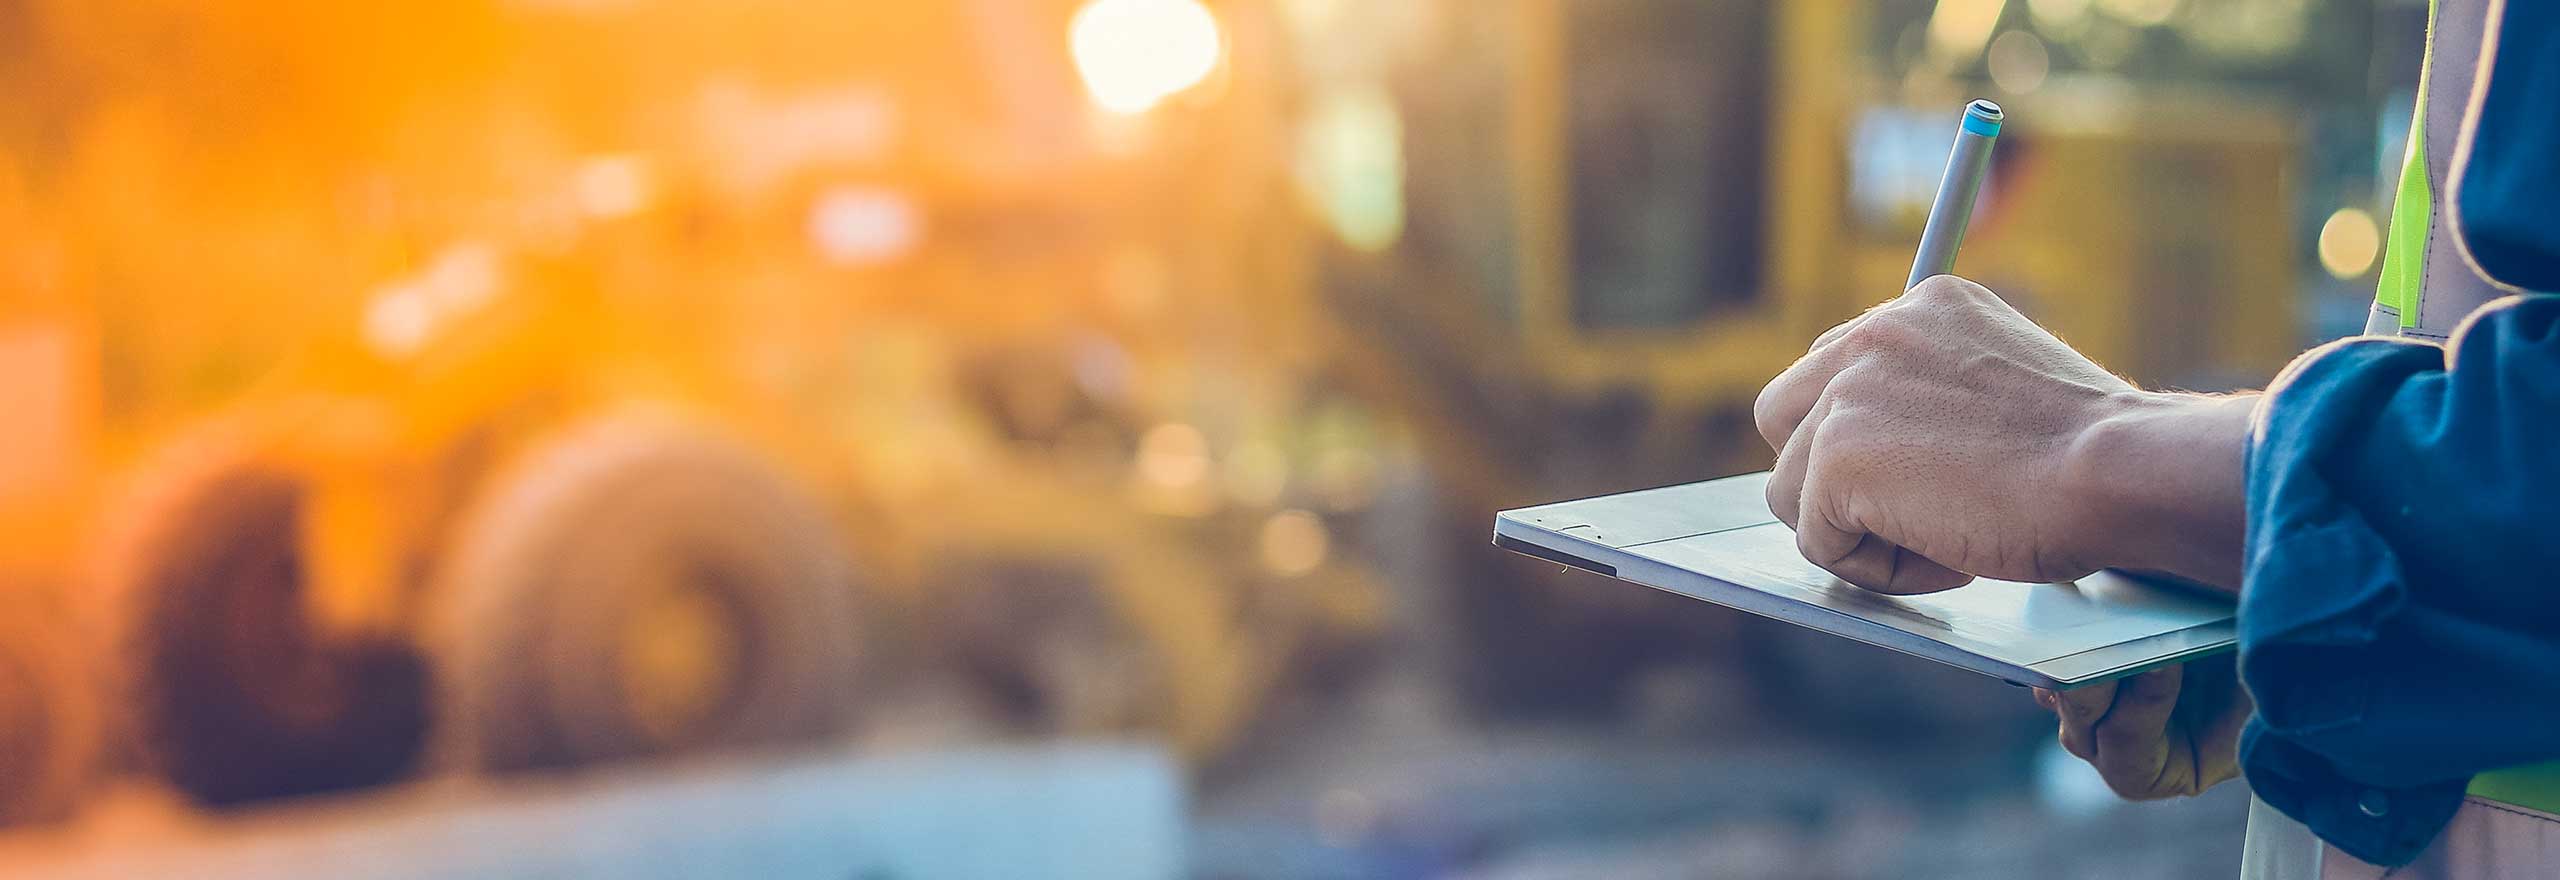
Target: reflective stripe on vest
(2395,299)
(2536,786)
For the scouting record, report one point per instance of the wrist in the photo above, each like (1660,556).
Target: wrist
(2157,482)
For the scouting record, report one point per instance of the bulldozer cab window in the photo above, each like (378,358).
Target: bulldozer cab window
(1666,109)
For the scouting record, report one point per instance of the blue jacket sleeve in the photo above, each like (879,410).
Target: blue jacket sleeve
(2506,182)
(2400,612)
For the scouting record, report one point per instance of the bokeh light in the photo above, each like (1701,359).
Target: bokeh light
(1173,456)
(1294,542)
(1351,164)
(1135,53)
(2349,242)
(858,226)
(613,186)
(2019,62)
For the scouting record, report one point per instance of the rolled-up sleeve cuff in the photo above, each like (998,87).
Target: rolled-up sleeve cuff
(2317,577)
(2319,588)
(2337,585)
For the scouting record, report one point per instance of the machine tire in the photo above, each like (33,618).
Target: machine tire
(565,552)
(51,726)
(229,692)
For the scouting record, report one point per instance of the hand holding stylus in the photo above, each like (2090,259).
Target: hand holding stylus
(1943,435)
(1932,438)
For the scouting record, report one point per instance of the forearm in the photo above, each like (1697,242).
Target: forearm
(2162,485)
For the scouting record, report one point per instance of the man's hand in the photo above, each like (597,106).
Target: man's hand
(1943,435)
(1926,441)
(2170,732)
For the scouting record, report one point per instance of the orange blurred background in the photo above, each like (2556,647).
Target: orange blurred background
(437,417)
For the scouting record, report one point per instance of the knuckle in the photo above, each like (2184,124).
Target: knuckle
(1766,414)
(1805,546)
(1946,288)
(1831,334)
(1886,332)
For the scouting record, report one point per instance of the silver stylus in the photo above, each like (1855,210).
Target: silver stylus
(1967,164)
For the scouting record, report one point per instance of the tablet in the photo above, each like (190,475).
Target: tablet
(1716,541)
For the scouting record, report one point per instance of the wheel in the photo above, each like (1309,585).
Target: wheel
(635,587)
(50,729)
(1069,619)
(232,694)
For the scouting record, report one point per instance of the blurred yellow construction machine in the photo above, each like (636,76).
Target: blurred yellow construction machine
(517,385)
(524,385)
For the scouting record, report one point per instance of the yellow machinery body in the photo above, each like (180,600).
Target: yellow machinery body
(408,348)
